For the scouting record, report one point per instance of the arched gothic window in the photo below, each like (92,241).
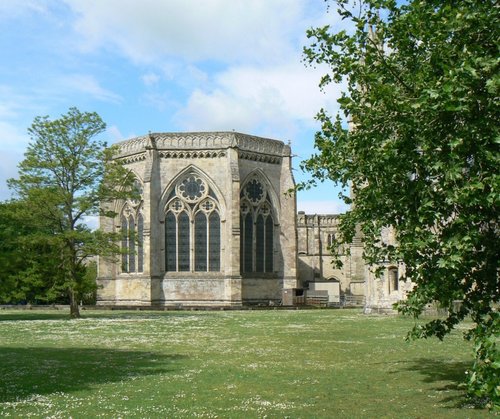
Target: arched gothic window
(330,239)
(132,243)
(257,229)
(140,243)
(393,279)
(192,227)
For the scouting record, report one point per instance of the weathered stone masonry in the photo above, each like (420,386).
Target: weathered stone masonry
(214,225)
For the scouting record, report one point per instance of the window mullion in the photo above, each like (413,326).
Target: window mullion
(207,253)
(264,237)
(124,233)
(192,232)
(176,243)
(254,241)
(242,242)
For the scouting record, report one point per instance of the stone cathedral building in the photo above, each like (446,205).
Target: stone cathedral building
(216,225)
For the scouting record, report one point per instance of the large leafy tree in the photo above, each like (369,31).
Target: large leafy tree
(421,154)
(66,175)
(27,263)
(29,258)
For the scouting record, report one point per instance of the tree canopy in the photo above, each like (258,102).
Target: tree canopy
(27,268)
(421,154)
(30,259)
(66,175)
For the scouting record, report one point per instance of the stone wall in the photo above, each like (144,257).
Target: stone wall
(227,164)
(222,163)
(316,235)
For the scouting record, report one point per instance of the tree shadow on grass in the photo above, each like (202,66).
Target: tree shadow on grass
(33,315)
(40,314)
(28,371)
(449,374)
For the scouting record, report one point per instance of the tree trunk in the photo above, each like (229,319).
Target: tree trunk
(74,310)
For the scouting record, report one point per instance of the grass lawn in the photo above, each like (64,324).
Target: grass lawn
(232,364)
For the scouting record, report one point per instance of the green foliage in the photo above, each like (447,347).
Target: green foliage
(66,175)
(422,154)
(88,286)
(483,381)
(28,261)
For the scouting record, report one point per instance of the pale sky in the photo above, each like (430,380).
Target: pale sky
(165,66)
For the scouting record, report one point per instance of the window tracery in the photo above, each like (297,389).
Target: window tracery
(192,227)
(256,228)
(330,241)
(132,242)
(139,191)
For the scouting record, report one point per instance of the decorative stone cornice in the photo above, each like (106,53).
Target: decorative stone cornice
(189,154)
(170,145)
(325,220)
(265,158)
(134,158)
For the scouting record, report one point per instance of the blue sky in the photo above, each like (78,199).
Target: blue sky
(163,66)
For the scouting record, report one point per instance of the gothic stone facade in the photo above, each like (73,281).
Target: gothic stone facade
(386,288)
(316,234)
(214,225)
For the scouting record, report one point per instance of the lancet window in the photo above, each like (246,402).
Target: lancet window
(257,228)
(132,243)
(192,227)
(330,239)
(393,279)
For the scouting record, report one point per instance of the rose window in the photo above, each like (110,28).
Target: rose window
(254,191)
(192,189)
